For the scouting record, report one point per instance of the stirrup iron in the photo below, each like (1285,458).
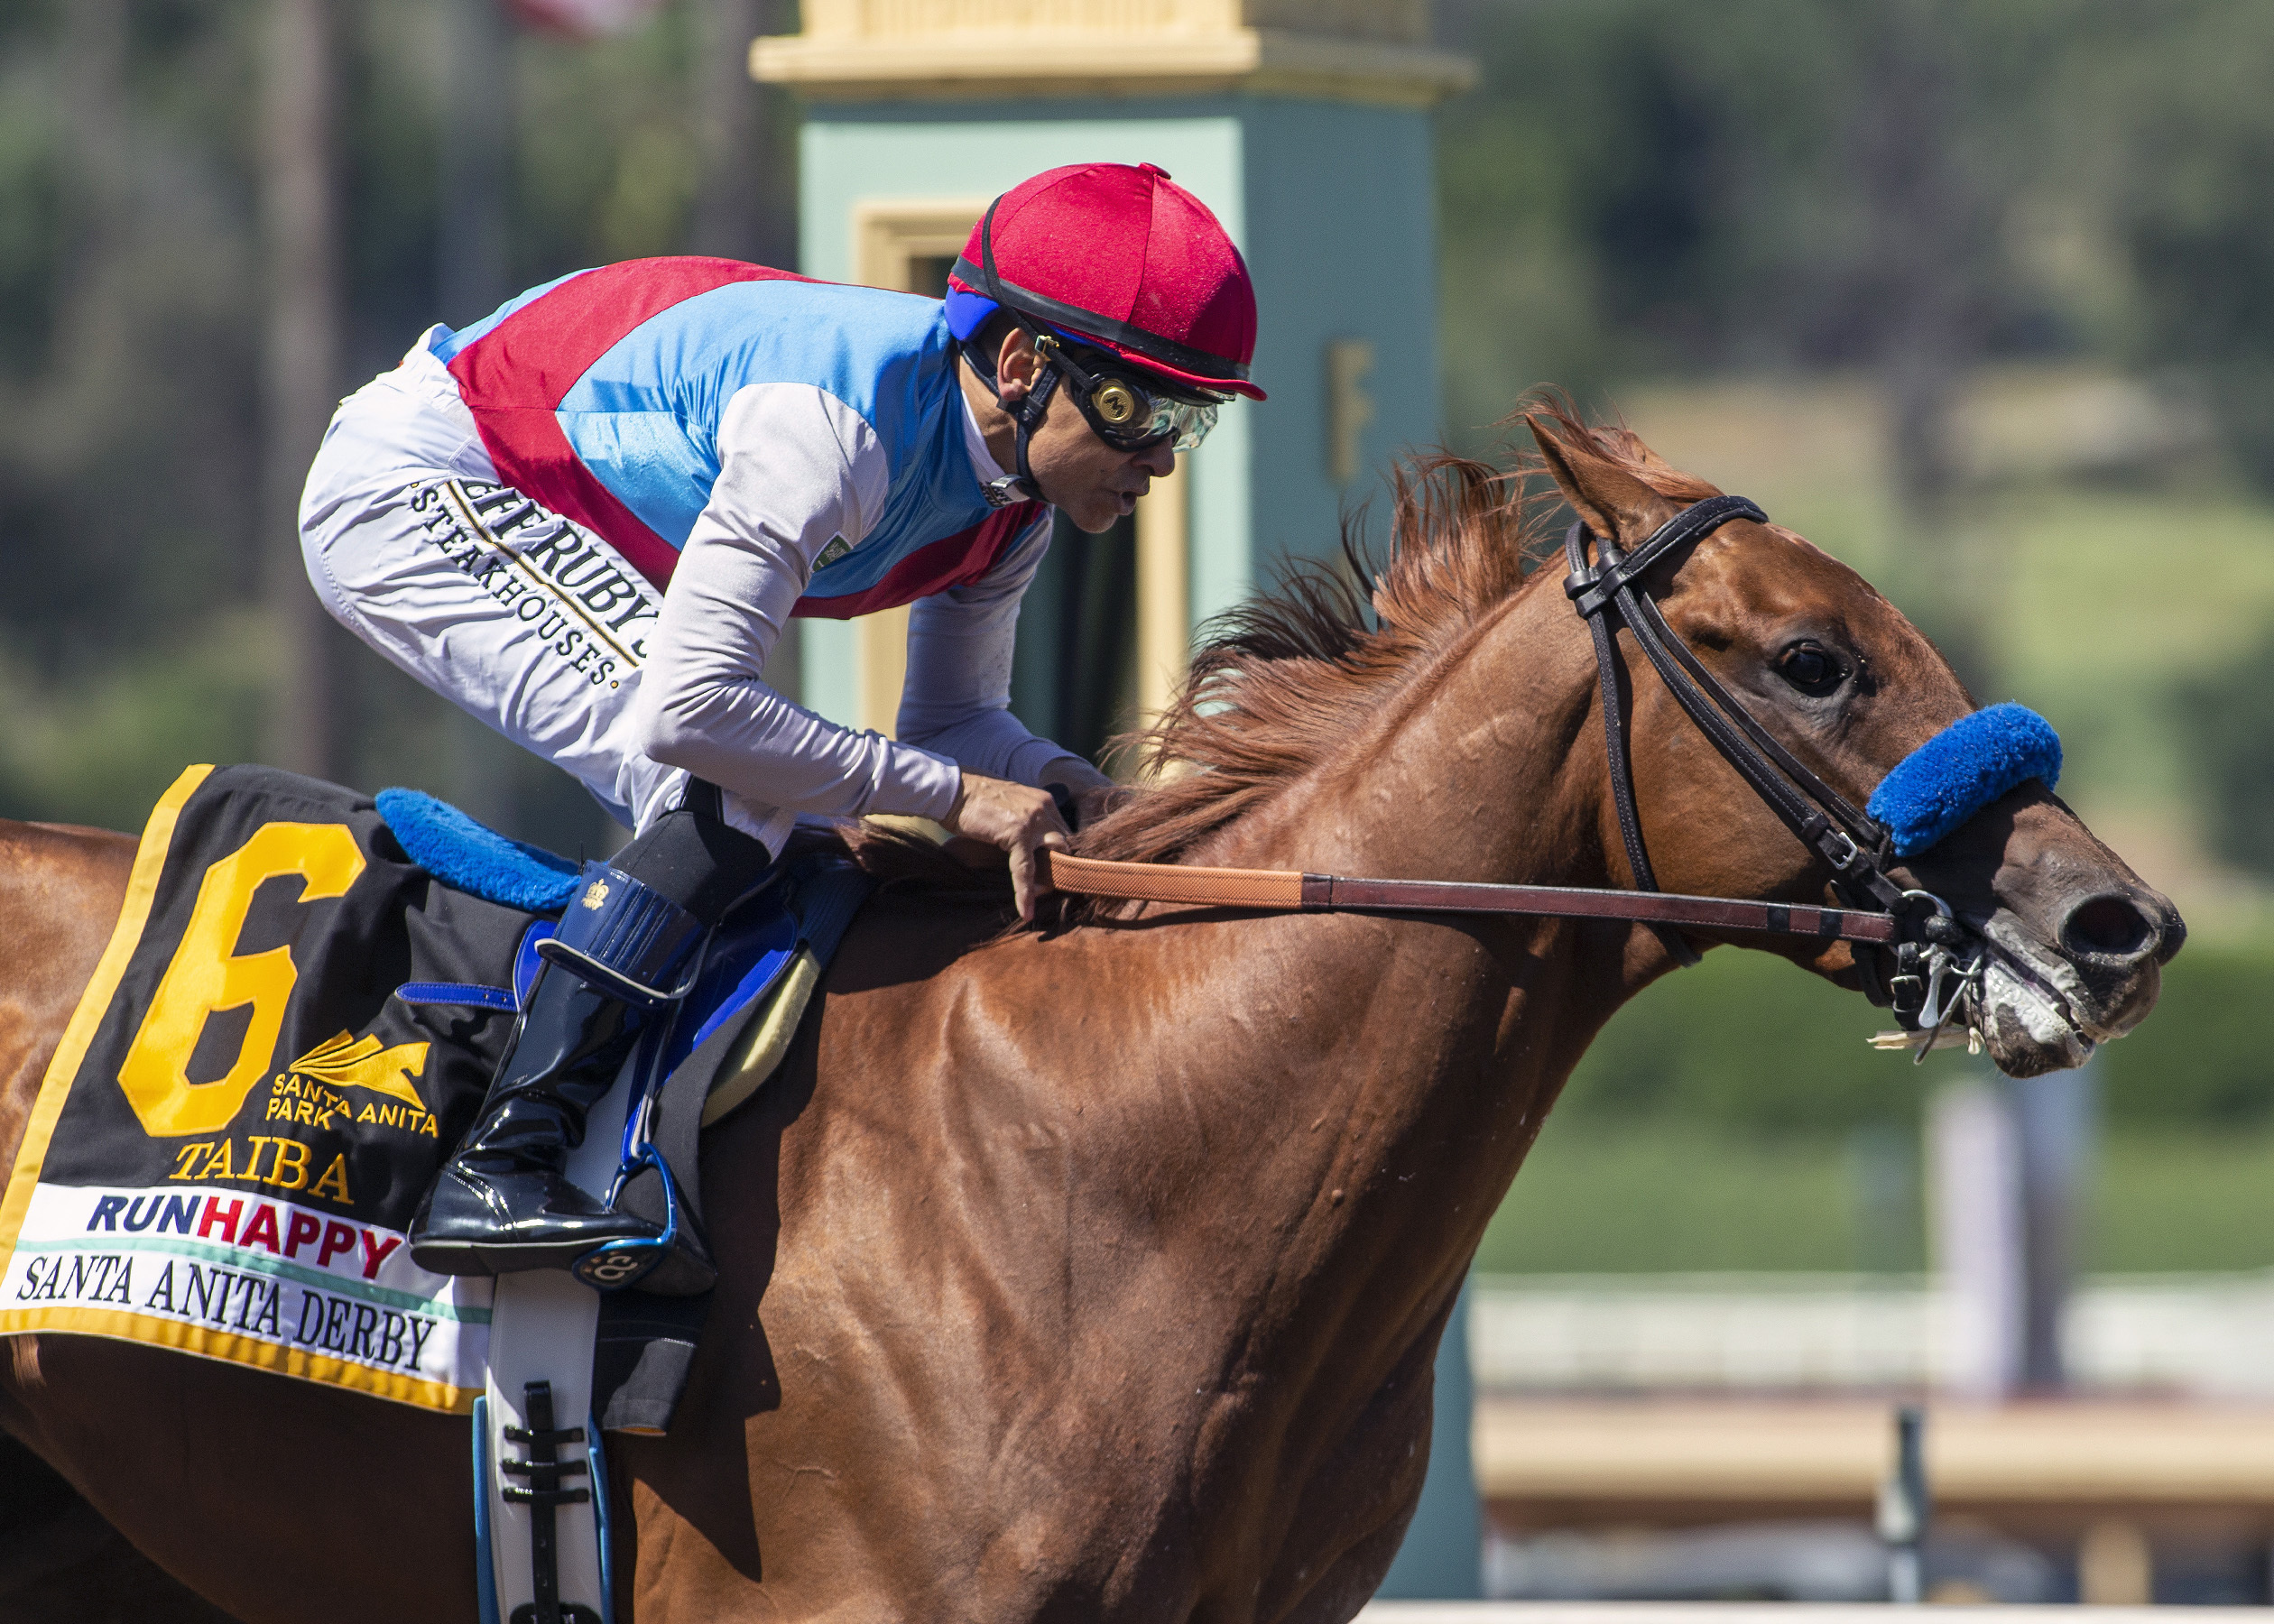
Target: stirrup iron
(616,1264)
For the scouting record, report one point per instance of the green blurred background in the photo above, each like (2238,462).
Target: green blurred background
(1976,296)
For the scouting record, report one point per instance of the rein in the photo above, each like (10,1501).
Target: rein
(1918,926)
(1287,892)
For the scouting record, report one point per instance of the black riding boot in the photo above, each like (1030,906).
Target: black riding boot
(504,1203)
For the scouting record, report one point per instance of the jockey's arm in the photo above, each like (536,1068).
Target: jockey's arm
(957,698)
(799,469)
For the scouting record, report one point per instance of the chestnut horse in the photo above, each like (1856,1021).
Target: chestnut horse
(1096,1272)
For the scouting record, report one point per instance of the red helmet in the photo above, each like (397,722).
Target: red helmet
(1120,258)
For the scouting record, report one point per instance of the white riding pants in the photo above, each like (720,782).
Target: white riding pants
(530,623)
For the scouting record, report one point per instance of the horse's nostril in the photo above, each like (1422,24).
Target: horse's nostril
(2109,927)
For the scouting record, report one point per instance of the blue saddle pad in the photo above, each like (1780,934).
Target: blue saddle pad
(809,907)
(751,950)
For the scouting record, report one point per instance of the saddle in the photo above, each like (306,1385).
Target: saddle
(757,974)
(542,1522)
(303,1000)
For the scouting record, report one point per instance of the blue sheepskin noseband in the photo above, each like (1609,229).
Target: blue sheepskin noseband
(1962,769)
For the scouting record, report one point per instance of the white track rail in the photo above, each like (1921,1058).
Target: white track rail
(1780,1612)
(2196,1334)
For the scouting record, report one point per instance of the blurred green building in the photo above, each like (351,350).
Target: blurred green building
(1305,125)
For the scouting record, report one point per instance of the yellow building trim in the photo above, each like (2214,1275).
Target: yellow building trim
(1164,593)
(1338,49)
(1403,21)
(891,234)
(880,669)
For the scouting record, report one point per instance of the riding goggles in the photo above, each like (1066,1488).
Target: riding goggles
(1126,412)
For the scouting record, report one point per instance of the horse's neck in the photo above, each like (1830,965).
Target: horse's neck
(1439,1044)
(1481,766)
(60,893)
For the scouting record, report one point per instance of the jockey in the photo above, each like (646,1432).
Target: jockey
(584,519)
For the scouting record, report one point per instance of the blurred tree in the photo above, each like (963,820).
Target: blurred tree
(301,367)
(1644,188)
(2230,731)
(132,634)
(1929,235)
(1764,184)
(741,158)
(128,479)
(474,185)
(2189,84)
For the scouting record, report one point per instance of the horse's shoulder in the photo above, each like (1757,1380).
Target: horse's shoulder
(932,905)
(919,940)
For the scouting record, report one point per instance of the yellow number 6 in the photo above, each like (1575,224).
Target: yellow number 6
(207,976)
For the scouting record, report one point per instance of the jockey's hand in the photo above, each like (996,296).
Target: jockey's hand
(1017,817)
(1094,794)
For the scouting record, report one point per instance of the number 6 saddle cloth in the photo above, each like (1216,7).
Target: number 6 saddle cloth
(242,1116)
(294,1023)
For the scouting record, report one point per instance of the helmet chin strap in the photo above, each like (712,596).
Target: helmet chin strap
(1026,415)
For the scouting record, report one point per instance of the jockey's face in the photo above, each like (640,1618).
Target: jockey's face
(1087,480)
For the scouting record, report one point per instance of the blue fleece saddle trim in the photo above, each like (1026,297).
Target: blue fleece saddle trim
(1962,769)
(811,907)
(461,853)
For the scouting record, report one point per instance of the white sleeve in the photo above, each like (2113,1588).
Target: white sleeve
(956,699)
(798,468)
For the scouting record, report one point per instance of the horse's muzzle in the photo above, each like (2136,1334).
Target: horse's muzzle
(2073,965)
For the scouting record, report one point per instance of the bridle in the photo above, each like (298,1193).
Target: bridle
(1822,819)
(1855,844)
(1936,957)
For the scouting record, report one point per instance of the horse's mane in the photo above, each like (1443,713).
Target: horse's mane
(1281,682)
(1278,684)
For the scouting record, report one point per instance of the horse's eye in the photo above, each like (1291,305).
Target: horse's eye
(1812,669)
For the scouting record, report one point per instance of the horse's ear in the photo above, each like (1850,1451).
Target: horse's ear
(1612,500)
